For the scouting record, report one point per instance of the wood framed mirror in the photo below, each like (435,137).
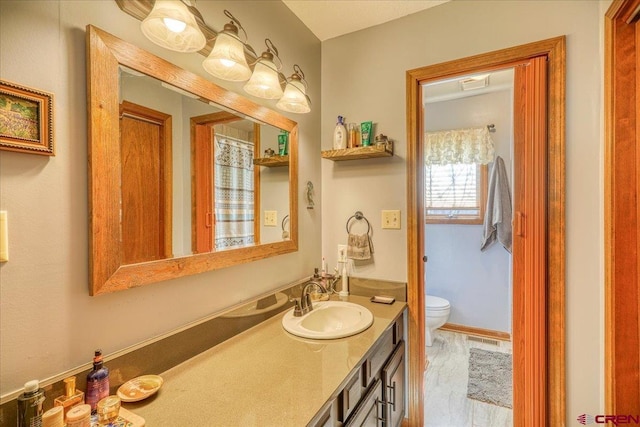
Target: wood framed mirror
(156,133)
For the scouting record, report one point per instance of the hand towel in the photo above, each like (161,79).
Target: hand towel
(497,217)
(359,247)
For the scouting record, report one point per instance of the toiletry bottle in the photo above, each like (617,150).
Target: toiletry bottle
(97,382)
(71,397)
(30,405)
(340,135)
(354,135)
(283,143)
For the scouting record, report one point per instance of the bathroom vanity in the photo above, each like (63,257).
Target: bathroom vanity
(268,377)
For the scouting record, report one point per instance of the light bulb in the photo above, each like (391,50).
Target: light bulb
(174,25)
(227,62)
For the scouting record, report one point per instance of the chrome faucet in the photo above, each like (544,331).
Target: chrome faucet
(304,305)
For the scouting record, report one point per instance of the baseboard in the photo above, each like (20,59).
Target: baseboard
(470,330)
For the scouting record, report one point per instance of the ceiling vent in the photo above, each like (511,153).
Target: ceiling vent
(475,83)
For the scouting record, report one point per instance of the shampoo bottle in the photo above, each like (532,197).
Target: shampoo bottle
(97,382)
(30,405)
(340,135)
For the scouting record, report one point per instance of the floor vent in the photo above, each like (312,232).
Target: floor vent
(482,340)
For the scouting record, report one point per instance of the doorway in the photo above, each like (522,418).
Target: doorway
(538,306)
(468,145)
(145,142)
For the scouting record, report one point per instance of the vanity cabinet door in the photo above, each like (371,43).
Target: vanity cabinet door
(327,417)
(351,394)
(370,412)
(393,385)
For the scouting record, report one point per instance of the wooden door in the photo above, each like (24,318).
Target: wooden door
(622,209)
(145,139)
(529,332)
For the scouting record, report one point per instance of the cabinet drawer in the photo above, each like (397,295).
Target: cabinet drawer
(376,359)
(370,411)
(398,330)
(351,394)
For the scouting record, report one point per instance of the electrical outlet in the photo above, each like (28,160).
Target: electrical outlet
(391,219)
(342,253)
(270,218)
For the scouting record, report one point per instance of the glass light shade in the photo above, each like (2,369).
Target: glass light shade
(294,99)
(264,82)
(226,60)
(172,26)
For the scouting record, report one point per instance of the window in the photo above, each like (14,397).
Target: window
(455,193)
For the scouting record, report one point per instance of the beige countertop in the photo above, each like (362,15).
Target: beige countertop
(261,377)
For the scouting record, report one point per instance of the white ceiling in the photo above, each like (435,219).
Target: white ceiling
(332,18)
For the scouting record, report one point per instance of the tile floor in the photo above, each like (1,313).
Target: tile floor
(446,402)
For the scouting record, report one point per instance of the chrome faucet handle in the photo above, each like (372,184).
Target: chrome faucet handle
(297,310)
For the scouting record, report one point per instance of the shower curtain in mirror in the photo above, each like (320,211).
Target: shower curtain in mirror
(233,192)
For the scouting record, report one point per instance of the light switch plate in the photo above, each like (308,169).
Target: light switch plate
(270,218)
(391,219)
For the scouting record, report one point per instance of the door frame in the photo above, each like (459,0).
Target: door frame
(549,388)
(622,210)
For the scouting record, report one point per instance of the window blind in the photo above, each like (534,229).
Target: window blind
(451,187)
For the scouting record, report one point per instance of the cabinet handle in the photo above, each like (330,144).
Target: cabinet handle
(378,417)
(392,401)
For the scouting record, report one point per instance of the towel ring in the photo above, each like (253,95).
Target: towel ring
(359,216)
(283,221)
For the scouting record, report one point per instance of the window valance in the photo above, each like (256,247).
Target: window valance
(471,145)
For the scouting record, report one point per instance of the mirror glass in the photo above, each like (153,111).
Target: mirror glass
(189,183)
(184,175)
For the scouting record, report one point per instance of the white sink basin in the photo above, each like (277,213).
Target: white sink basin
(329,320)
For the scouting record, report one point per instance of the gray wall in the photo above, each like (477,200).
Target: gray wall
(48,321)
(364,78)
(477,284)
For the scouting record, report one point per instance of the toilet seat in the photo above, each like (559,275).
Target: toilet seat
(437,304)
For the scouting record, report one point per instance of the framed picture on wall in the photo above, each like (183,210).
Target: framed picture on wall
(26,119)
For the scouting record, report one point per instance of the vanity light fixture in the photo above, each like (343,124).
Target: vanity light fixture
(265,81)
(227,60)
(295,99)
(172,25)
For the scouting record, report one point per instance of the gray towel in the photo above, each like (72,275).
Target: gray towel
(497,217)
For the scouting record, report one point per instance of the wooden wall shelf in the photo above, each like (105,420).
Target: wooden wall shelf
(272,161)
(370,152)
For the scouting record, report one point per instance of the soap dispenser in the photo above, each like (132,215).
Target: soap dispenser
(340,135)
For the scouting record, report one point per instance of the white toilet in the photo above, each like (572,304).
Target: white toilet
(437,315)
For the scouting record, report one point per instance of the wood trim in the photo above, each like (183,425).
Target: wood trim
(622,210)
(105,53)
(415,249)
(554,50)
(256,184)
(479,332)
